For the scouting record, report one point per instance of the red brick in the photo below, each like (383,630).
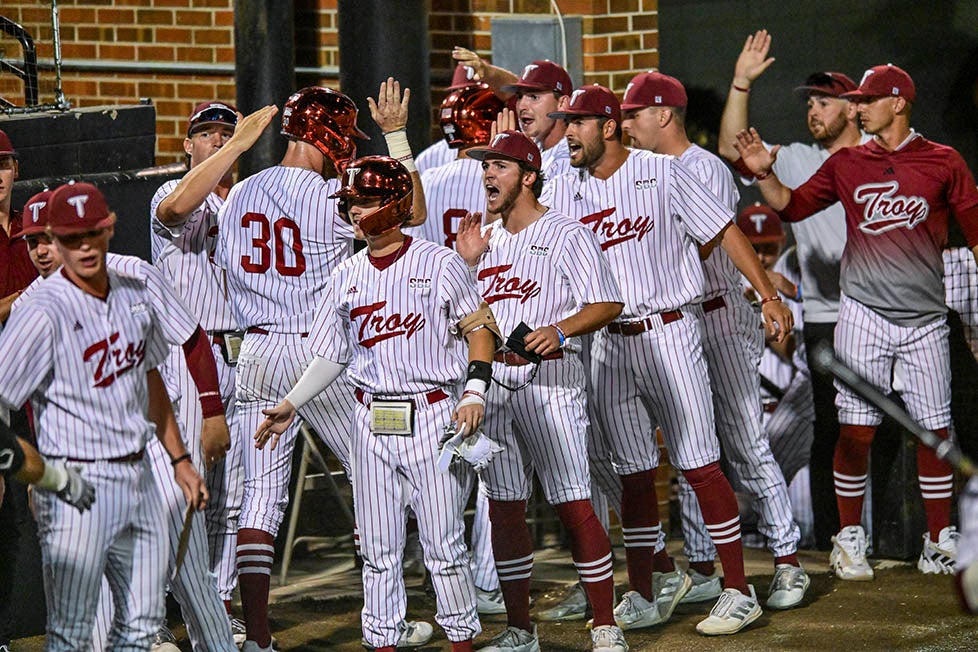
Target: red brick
(155,89)
(121,52)
(224,18)
(187,18)
(224,55)
(136,34)
(607,62)
(650,41)
(78,50)
(77,15)
(595,44)
(645,22)
(117,89)
(75,87)
(626,42)
(645,60)
(531,7)
(196,55)
(482,42)
(155,16)
(117,17)
(88,33)
(195,89)
(585,7)
(171,35)
(183,4)
(155,53)
(212,36)
(650,5)
(490,6)
(608,24)
(596,78)
(623,6)
(169,145)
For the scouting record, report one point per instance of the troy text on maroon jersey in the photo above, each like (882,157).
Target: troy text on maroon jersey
(886,210)
(501,287)
(113,361)
(385,326)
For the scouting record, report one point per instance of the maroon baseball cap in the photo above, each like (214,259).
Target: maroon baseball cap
(653,89)
(512,145)
(594,100)
(760,223)
(462,77)
(833,84)
(208,113)
(881,81)
(35,219)
(76,208)
(6,147)
(542,76)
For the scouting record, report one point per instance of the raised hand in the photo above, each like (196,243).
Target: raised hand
(250,127)
(756,156)
(390,109)
(471,60)
(753,59)
(505,121)
(470,242)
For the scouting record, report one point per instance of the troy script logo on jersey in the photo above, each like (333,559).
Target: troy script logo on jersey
(886,210)
(112,359)
(613,233)
(377,326)
(499,286)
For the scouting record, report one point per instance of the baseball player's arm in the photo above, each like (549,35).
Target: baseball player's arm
(167,431)
(390,112)
(778,319)
(214,435)
(492,75)
(760,162)
(194,188)
(590,318)
(751,63)
(471,408)
(6,304)
(319,374)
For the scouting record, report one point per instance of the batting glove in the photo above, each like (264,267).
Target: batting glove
(77,492)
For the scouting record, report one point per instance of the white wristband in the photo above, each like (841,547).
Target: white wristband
(54,477)
(400,149)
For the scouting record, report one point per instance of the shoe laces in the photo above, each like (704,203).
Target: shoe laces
(723,606)
(788,578)
(854,542)
(238,626)
(627,605)
(509,636)
(607,635)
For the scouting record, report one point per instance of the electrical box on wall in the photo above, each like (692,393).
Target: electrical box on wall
(516,41)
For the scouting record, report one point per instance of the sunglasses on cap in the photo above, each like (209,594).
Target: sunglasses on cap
(212,115)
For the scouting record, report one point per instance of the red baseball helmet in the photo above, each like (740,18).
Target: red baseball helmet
(467,116)
(378,177)
(324,118)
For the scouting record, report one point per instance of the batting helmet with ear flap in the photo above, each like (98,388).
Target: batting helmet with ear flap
(467,116)
(324,118)
(378,177)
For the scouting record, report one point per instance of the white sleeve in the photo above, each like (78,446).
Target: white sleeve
(26,348)
(319,375)
(329,335)
(458,290)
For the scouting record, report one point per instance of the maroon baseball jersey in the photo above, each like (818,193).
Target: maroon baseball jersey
(16,269)
(897,206)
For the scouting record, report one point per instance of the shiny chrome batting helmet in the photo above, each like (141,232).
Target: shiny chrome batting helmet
(467,116)
(378,177)
(324,118)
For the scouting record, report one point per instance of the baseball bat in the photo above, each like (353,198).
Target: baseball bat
(945,449)
(184,541)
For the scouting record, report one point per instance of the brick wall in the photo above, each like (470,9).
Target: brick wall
(620,38)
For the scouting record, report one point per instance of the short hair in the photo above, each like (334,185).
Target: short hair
(537,187)
(618,131)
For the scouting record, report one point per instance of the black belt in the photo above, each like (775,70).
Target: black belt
(516,360)
(122,459)
(637,327)
(714,304)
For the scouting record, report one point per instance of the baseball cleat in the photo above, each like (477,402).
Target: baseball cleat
(848,556)
(732,612)
(940,558)
(635,612)
(414,633)
(788,586)
(251,646)
(165,641)
(514,639)
(608,638)
(669,589)
(490,603)
(573,606)
(240,633)
(704,589)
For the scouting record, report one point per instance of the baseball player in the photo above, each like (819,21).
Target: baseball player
(97,399)
(395,315)
(654,115)
(183,219)
(543,273)
(439,153)
(898,191)
(633,201)
(280,238)
(831,121)
(16,270)
(193,586)
(452,190)
(786,386)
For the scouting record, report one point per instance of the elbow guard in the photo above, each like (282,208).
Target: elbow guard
(481,318)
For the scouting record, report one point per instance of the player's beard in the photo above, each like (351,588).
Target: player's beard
(830,131)
(505,201)
(591,153)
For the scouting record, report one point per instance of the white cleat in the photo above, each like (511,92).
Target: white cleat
(165,641)
(514,639)
(251,646)
(414,633)
(669,589)
(635,612)
(848,556)
(573,606)
(940,558)
(240,633)
(490,603)
(608,638)
(788,586)
(705,587)
(732,612)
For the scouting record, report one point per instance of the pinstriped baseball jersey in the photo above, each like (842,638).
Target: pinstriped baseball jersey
(280,238)
(89,393)
(450,192)
(544,273)
(648,216)
(721,275)
(434,156)
(184,253)
(556,160)
(387,324)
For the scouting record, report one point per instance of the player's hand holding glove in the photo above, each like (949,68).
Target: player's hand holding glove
(77,491)
(215,439)
(476,449)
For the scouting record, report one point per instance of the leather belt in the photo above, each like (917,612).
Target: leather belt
(217,337)
(516,360)
(431,397)
(714,304)
(769,406)
(258,330)
(646,324)
(122,459)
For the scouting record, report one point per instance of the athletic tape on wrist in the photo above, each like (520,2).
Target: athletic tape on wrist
(400,149)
